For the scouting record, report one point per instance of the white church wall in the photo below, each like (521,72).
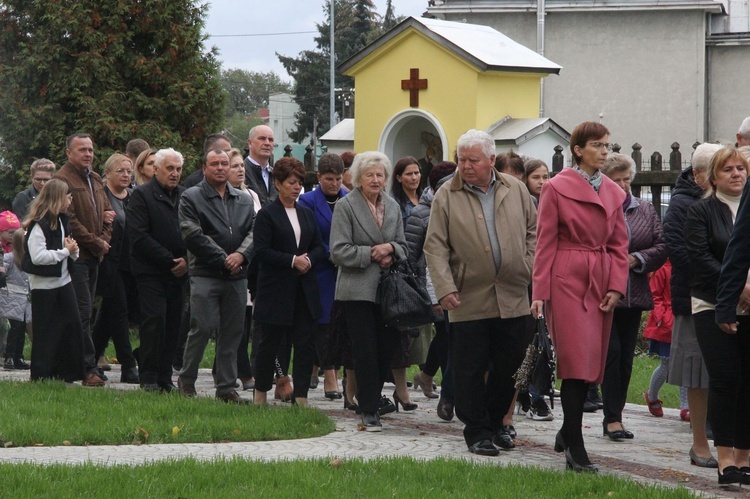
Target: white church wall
(643,71)
(729,99)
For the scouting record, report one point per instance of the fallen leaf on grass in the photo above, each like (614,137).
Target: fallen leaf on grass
(175,431)
(336,463)
(67,443)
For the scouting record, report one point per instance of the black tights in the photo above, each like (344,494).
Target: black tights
(572,395)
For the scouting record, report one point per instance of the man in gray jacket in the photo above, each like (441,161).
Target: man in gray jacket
(216,221)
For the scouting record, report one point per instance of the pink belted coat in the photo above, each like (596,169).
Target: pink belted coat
(581,253)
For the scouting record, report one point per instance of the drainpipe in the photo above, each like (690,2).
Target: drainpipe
(540,12)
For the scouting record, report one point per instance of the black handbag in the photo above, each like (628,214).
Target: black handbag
(404,303)
(543,373)
(538,367)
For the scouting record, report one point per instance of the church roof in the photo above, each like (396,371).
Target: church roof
(487,6)
(343,130)
(520,130)
(484,47)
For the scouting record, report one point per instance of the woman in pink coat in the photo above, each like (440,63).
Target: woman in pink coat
(580,272)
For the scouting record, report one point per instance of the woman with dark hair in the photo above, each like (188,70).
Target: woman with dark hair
(322,201)
(113,282)
(367,235)
(647,251)
(287,300)
(406,190)
(708,228)
(580,272)
(536,174)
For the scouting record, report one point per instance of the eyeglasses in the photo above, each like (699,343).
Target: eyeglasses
(600,145)
(120,171)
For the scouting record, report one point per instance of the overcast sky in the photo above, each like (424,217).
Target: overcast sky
(288,27)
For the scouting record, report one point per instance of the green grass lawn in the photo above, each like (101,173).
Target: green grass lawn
(53,413)
(392,477)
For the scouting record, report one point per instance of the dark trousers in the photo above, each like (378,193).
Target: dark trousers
(161,311)
(476,344)
(727,358)
(57,344)
(322,332)
(16,340)
(299,335)
(244,368)
(112,322)
(619,366)
(184,326)
(373,347)
(437,355)
(83,274)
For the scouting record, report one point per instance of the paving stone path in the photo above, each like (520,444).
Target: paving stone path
(658,454)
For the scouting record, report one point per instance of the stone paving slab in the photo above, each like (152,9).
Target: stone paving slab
(658,454)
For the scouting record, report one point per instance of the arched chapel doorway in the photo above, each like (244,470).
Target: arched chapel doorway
(412,133)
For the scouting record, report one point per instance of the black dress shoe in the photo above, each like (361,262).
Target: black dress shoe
(20,364)
(745,470)
(150,387)
(445,409)
(483,448)
(731,475)
(129,376)
(503,440)
(334,395)
(168,387)
(385,406)
(508,429)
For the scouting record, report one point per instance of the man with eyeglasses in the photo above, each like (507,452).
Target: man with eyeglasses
(41,172)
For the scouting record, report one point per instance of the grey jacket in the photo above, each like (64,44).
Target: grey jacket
(353,233)
(214,227)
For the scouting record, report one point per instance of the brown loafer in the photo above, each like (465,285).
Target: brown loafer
(232,397)
(92,380)
(187,389)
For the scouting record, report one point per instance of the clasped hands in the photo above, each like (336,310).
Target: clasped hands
(382,254)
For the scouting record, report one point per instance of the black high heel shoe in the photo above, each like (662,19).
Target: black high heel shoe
(578,468)
(351,406)
(408,406)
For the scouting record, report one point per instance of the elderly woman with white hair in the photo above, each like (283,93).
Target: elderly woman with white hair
(647,251)
(367,235)
(686,366)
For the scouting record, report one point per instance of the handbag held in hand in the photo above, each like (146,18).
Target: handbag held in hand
(404,303)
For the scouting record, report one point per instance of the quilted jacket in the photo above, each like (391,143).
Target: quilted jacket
(15,303)
(647,244)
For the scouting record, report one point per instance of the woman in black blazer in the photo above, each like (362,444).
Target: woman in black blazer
(287,301)
(708,228)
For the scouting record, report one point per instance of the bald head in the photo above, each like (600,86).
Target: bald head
(743,134)
(260,142)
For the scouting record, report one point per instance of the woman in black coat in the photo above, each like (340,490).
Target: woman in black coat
(708,228)
(287,245)
(647,251)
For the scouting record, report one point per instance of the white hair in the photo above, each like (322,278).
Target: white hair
(703,154)
(161,155)
(475,137)
(617,162)
(365,160)
(745,128)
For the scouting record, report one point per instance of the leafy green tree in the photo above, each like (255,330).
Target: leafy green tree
(355,21)
(247,91)
(117,69)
